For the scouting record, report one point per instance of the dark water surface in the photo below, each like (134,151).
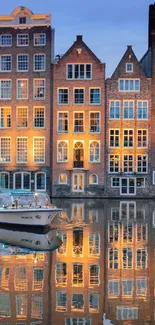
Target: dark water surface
(103,273)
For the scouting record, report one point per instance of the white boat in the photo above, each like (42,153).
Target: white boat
(27,208)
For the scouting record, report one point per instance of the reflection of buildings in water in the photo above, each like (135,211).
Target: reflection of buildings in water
(24,289)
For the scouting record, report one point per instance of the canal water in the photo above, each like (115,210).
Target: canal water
(102,273)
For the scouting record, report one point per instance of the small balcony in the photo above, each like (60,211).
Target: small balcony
(78,164)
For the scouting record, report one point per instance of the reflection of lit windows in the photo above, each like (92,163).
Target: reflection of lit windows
(77,302)
(128,210)
(5,309)
(38,278)
(77,212)
(78,321)
(127,232)
(20,278)
(77,274)
(127,287)
(94,244)
(114,214)
(61,301)
(63,248)
(62,151)
(127,258)
(4,278)
(21,306)
(113,258)
(77,242)
(37,306)
(113,232)
(93,179)
(61,273)
(141,232)
(141,287)
(62,179)
(93,215)
(124,313)
(140,214)
(4,180)
(94,274)
(93,302)
(141,258)
(113,288)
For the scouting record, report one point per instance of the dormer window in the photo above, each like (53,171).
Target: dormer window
(129,67)
(22,20)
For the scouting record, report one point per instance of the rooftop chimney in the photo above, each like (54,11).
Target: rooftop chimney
(79,38)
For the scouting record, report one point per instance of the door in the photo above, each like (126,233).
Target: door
(78,182)
(128,186)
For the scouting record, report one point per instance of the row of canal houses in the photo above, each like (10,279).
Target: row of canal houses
(64,127)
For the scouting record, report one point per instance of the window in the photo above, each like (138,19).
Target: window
(140,182)
(128,138)
(61,301)
(5,117)
(114,138)
(142,164)
(39,117)
(77,212)
(4,180)
(22,117)
(77,302)
(20,279)
(125,313)
(115,182)
(39,62)
(5,40)
(22,89)
(5,63)
(22,39)
(127,232)
(61,273)
(4,278)
(127,288)
(5,89)
(114,110)
(142,140)
(141,232)
(5,150)
(141,258)
(93,215)
(63,96)
(94,151)
(78,122)
(63,248)
(94,244)
(22,62)
(22,20)
(78,321)
(113,232)
(62,151)
(93,302)
(79,71)
(77,241)
(5,307)
(113,288)
(39,39)
(94,274)
(39,89)
(127,258)
(141,287)
(21,150)
(128,109)
(22,181)
(37,306)
(113,258)
(129,85)
(153,178)
(40,181)
(79,96)
(128,210)
(128,164)
(38,149)
(115,214)
(94,122)
(78,274)
(114,164)
(94,96)
(38,278)
(129,67)
(93,179)
(62,179)
(142,110)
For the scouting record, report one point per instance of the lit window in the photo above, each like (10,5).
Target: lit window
(115,182)
(93,179)
(129,85)
(94,244)
(61,301)
(114,112)
(79,96)
(128,138)
(40,181)
(94,151)
(4,278)
(39,62)
(22,150)
(128,109)
(22,39)
(37,306)
(22,181)
(141,287)
(5,63)
(142,139)
(38,278)
(63,96)
(22,62)
(4,180)
(78,122)
(127,258)
(20,278)
(114,164)
(39,89)
(62,151)
(22,20)
(61,273)
(94,274)
(142,110)
(22,117)
(39,149)
(114,138)
(141,232)
(125,313)
(5,40)
(113,232)
(62,179)
(113,258)
(62,122)
(127,232)
(127,288)
(5,307)
(113,288)
(142,164)
(21,306)
(39,39)
(77,241)
(5,117)
(78,274)
(94,122)
(5,150)
(63,248)
(129,67)
(22,89)
(39,117)
(128,163)
(95,96)
(77,212)
(141,258)
(77,302)
(5,89)
(79,71)
(94,302)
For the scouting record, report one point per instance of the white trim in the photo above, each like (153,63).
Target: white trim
(142,136)
(65,88)
(77,88)
(153,177)
(20,79)
(41,162)
(99,142)
(66,141)
(39,98)
(35,127)
(96,179)
(5,172)
(58,132)
(6,127)
(143,154)
(8,88)
(73,70)
(17,107)
(115,118)
(91,112)
(36,189)
(129,101)
(126,70)
(6,162)
(5,71)
(133,166)
(66,178)
(143,101)
(142,249)
(128,90)
(112,182)
(92,104)
(22,180)
(5,44)
(18,38)
(114,137)
(127,186)
(34,39)
(79,112)
(128,129)
(78,176)
(34,62)
(113,154)
(21,162)
(95,284)
(25,54)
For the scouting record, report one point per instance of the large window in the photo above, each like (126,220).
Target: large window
(63,96)
(22,62)
(77,302)
(127,287)
(113,288)
(128,138)
(141,232)
(21,150)
(4,180)
(5,63)
(39,89)
(38,278)
(114,112)
(79,71)
(39,117)
(142,140)
(142,110)
(94,96)
(61,273)
(22,39)
(5,40)
(5,150)
(39,62)
(22,89)
(62,151)
(94,151)
(22,181)
(114,164)
(22,117)
(62,122)
(94,244)
(94,122)
(5,117)
(78,122)
(114,138)
(37,306)
(113,258)
(63,248)
(39,149)
(127,232)
(113,232)
(94,302)
(20,278)
(79,96)
(128,164)
(39,39)
(5,89)
(141,287)
(128,109)
(61,301)
(129,85)
(78,274)
(40,181)
(63,179)
(94,274)
(5,306)
(125,313)
(127,258)
(141,258)
(93,179)
(142,164)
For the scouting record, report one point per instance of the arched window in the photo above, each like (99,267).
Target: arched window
(22,181)
(94,152)
(62,179)
(40,181)
(93,179)
(4,180)
(62,151)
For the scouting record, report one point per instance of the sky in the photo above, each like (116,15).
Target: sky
(107,26)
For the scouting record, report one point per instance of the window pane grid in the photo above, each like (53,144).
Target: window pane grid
(5,63)
(5,89)
(114,110)
(78,96)
(62,122)
(78,122)
(63,96)
(142,164)
(79,71)
(94,122)
(22,117)
(128,164)
(39,62)
(39,117)
(22,150)
(128,110)
(5,146)
(142,138)
(22,62)
(39,150)
(5,40)
(114,138)
(94,96)
(22,39)
(142,108)
(39,88)
(114,164)
(5,117)
(22,89)
(39,39)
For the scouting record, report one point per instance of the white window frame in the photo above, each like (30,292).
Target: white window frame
(59,112)
(112,281)
(17,153)
(99,271)
(94,310)
(128,90)
(4,117)
(22,179)
(142,172)
(24,54)
(62,162)
(73,70)
(115,117)
(142,138)
(141,231)
(62,88)
(66,178)
(21,127)
(34,87)
(34,58)
(129,249)
(128,101)
(112,182)
(6,45)
(94,247)
(142,101)
(41,162)
(39,127)
(146,266)
(78,176)
(95,104)
(36,189)
(3,161)
(96,179)
(79,88)
(128,147)
(73,309)
(78,284)
(141,294)
(114,138)
(115,229)
(127,172)
(4,172)
(39,44)
(78,112)
(127,295)
(127,308)
(61,308)
(26,34)
(57,275)
(114,166)
(7,88)
(99,159)
(126,67)
(27,81)
(8,55)
(128,205)
(93,112)
(113,261)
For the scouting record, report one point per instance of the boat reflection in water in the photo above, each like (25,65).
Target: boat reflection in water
(104,270)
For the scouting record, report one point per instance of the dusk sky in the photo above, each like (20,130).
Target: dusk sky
(107,26)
